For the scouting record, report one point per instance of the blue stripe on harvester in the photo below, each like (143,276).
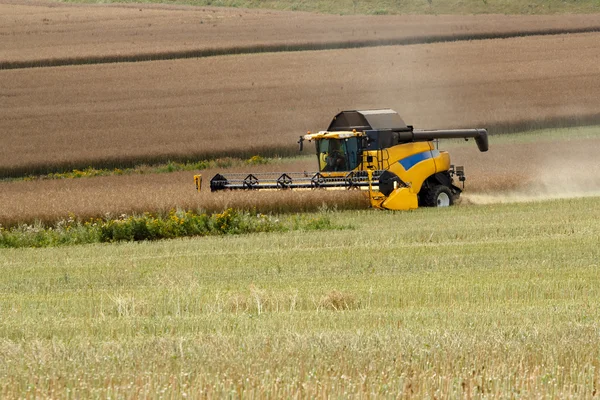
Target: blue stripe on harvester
(411,161)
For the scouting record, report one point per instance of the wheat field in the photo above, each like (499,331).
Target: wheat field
(131,113)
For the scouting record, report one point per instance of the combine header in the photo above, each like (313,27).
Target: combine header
(374,150)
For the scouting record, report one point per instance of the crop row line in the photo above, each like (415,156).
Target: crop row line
(275,48)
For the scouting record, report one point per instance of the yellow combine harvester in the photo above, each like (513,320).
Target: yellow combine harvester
(372,150)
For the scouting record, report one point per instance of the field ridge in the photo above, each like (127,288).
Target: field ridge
(278,48)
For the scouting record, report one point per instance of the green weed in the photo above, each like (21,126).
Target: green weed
(154,227)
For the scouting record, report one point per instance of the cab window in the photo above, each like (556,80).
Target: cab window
(338,154)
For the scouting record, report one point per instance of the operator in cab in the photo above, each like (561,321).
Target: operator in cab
(335,158)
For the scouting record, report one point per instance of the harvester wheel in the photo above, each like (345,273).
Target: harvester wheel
(437,196)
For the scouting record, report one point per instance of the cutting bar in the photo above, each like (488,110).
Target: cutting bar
(293,180)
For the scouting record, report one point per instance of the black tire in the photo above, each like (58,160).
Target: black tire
(436,196)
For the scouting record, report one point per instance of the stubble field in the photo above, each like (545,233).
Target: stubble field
(485,301)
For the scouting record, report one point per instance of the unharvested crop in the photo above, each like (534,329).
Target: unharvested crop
(126,114)
(127,194)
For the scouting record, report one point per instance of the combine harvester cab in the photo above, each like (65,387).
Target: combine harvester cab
(375,151)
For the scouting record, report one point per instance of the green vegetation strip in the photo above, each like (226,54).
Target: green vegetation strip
(383,7)
(266,48)
(154,227)
(170,166)
(498,301)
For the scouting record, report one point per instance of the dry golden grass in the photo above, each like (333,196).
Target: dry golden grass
(541,170)
(51,200)
(122,114)
(43,32)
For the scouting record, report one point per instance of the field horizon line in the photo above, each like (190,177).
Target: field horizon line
(282,48)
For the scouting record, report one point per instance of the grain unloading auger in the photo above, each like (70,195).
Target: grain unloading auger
(374,150)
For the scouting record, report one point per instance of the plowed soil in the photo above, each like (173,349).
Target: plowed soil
(44,30)
(117,114)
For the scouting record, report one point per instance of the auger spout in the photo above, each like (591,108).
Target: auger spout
(480,136)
